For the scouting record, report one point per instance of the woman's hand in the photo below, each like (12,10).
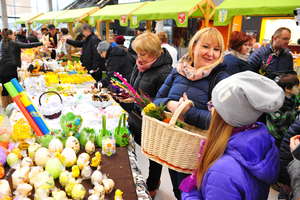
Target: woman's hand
(127,100)
(181,100)
(294,142)
(173,105)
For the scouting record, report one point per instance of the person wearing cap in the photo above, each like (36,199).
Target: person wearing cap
(89,58)
(163,36)
(120,41)
(193,78)
(117,59)
(239,159)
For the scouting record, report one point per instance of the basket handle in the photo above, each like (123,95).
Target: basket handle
(178,111)
(40,98)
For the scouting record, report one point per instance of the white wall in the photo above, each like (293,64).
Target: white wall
(272,25)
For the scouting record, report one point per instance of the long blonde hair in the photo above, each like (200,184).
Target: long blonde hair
(211,33)
(219,133)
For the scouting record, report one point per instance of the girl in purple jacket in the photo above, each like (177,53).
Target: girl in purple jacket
(240,159)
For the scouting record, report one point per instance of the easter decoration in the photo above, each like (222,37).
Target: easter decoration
(103,132)
(70,123)
(121,132)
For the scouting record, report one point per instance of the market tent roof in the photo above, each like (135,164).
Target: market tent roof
(230,8)
(115,12)
(48,17)
(75,14)
(178,10)
(27,18)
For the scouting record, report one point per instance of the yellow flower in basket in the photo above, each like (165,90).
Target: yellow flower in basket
(149,107)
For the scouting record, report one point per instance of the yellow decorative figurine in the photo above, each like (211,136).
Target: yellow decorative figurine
(96,160)
(75,171)
(118,195)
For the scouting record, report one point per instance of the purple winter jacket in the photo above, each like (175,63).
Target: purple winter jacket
(245,171)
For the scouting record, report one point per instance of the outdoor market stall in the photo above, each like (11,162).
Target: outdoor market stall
(70,105)
(114,12)
(180,11)
(48,17)
(27,19)
(75,15)
(229,12)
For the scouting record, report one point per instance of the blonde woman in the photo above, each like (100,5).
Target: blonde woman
(153,65)
(240,159)
(195,76)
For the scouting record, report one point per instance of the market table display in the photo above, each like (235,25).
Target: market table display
(74,106)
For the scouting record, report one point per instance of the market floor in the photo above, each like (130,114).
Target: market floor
(165,191)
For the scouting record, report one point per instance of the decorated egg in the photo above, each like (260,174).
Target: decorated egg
(54,167)
(83,159)
(73,143)
(68,157)
(41,157)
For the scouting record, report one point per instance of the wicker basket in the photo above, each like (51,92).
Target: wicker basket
(170,145)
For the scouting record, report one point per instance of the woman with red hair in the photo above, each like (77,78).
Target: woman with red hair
(239,48)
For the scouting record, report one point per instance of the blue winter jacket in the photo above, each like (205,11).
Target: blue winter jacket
(234,64)
(281,63)
(246,170)
(197,91)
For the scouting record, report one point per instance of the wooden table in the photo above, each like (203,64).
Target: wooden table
(116,167)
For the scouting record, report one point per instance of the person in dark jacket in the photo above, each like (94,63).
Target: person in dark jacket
(274,58)
(239,160)
(279,122)
(89,58)
(0,34)
(21,36)
(120,40)
(286,157)
(32,37)
(153,65)
(294,166)
(239,47)
(53,38)
(117,59)
(195,76)
(10,59)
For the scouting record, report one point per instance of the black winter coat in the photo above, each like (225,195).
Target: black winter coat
(10,56)
(148,82)
(285,153)
(90,57)
(118,60)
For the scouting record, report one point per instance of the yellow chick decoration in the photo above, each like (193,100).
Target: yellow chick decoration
(96,159)
(75,171)
(118,195)
(17,151)
(21,130)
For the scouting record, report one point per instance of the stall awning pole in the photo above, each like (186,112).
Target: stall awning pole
(107,30)
(98,28)
(70,27)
